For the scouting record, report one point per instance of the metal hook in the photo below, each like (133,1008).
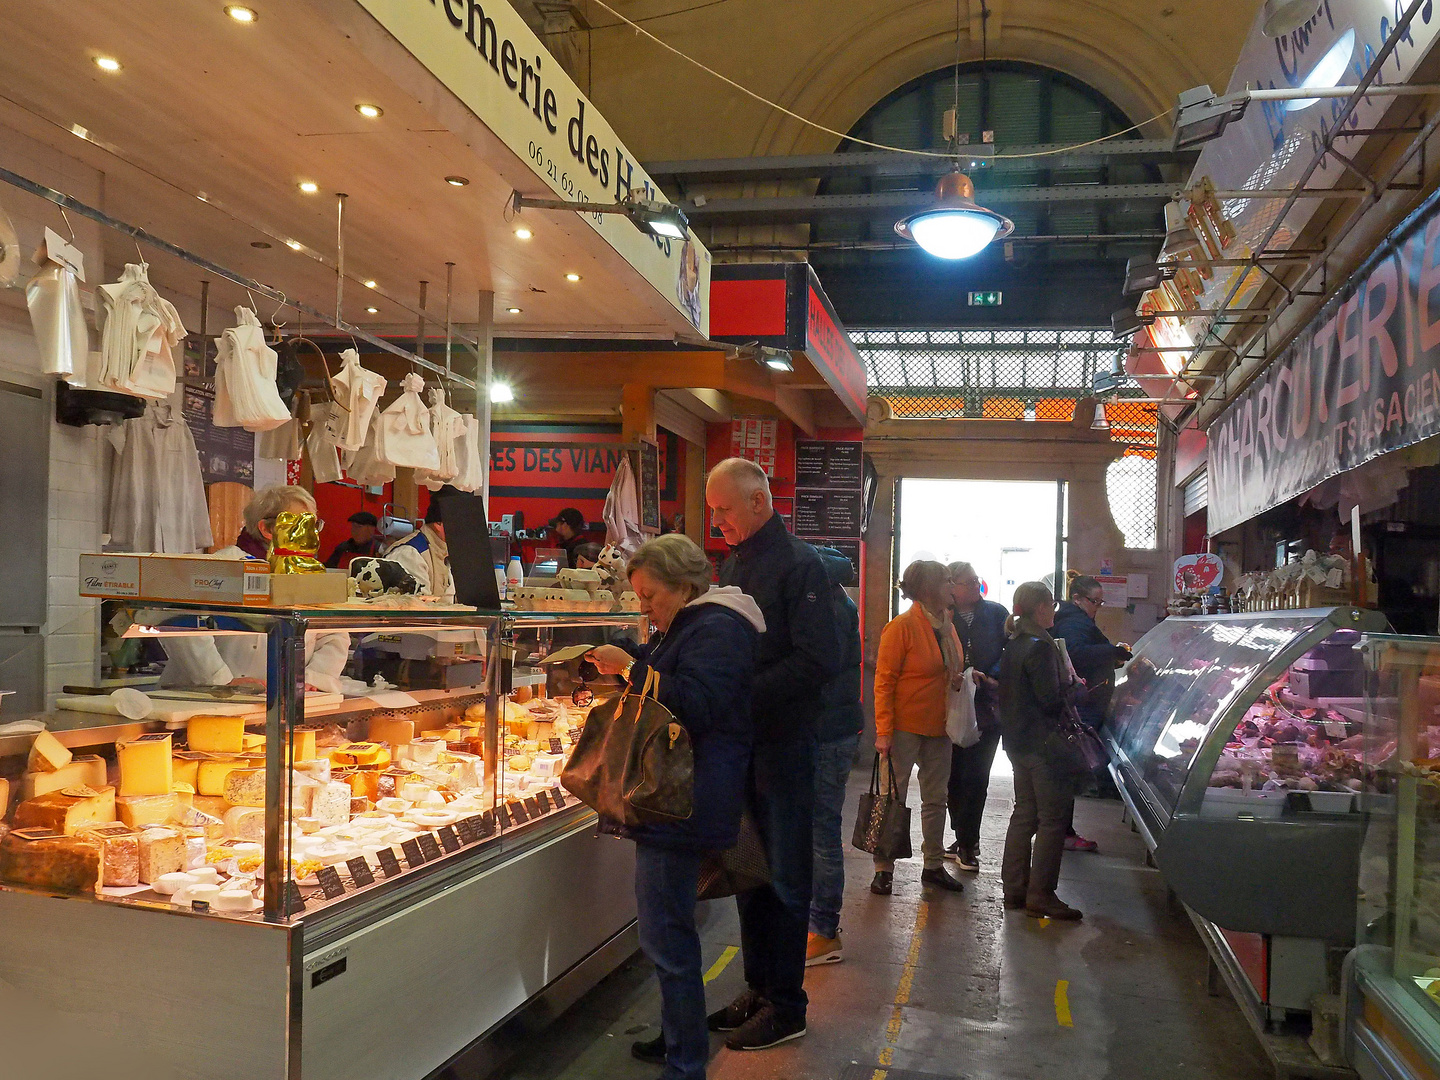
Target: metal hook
(68,226)
(284,301)
(140,255)
(254,307)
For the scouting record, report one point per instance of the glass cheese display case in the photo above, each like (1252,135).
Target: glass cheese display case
(1393,1014)
(320,796)
(1238,745)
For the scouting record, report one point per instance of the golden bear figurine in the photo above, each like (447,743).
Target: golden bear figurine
(296,543)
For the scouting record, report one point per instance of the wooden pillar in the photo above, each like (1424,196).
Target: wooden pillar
(695,493)
(637,412)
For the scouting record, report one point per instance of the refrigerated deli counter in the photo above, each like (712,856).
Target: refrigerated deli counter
(282,884)
(1238,744)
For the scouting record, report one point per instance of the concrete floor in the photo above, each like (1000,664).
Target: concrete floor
(940,986)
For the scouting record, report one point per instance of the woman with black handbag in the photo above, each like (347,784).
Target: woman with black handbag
(703,653)
(1034,684)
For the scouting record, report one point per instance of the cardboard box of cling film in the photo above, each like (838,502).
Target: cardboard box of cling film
(186,578)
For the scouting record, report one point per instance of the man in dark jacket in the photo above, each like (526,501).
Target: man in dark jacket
(1094,658)
(980,623)
(796,657)
(838,734)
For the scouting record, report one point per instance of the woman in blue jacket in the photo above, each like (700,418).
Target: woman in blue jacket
(704,653)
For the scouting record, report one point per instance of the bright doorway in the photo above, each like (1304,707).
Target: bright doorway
(1009,530)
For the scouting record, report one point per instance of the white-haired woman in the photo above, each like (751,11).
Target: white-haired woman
(239,659)
(703,650)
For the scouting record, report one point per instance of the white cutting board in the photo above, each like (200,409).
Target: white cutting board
(177,712)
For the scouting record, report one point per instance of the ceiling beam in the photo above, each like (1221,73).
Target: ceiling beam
(712,406)
(890,163)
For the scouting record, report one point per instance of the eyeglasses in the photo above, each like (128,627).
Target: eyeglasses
(1098,601)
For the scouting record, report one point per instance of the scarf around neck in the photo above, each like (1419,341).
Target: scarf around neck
(951,650)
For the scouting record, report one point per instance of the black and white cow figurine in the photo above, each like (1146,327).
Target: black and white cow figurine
(379,577)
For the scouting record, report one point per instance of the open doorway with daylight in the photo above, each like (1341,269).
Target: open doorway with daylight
(1010,531)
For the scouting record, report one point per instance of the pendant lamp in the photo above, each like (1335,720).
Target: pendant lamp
(1100,423)
(956,227)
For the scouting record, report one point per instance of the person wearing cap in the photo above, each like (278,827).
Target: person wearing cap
(364,540)
(424,552)
(569,526)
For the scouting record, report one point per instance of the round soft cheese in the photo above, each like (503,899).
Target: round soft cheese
(169,884)
(233,900)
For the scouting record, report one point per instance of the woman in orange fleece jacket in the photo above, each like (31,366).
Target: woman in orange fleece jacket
(920,660)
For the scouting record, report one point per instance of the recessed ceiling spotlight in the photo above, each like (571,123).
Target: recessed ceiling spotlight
(259,243)
(572,277)
(370,112)
(369,284)
(372,310)
(513,310)
(457,181)
(309,187)
(294,245)
(523,233)
(107,63)
(240,13)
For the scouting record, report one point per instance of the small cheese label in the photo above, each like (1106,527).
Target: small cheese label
(80,791)
(292,903)
(467,829)
(556,746)
(413,855)
(360,872)
(429,846)
(330,883)
(449,838)
(154,736)
(112,829)
(532,806)
(389,864)
(37,833)
(543,800)
(502,816)
(487,823)
(517,813)
(557,797)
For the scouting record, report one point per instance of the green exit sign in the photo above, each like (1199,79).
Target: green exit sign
(986,299)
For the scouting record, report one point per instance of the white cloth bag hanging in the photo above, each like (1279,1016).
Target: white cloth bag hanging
(58,320)
(448,426)
(157,493)
(363,466)
(320,446)
(245,391)
(622,511)
(356,391)
(467,451)
(138,341)
(403,437)
(961,723)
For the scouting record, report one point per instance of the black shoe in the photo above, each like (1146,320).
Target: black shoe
(939,877)
(652,1051)
(765,1029)
(735,1014)
(880,884)
(968,858)
(953,851)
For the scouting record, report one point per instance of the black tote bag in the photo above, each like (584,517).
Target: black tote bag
(737,869)
(882,825)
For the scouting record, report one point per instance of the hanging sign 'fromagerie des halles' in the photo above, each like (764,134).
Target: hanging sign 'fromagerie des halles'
(1362,379)
(495,64)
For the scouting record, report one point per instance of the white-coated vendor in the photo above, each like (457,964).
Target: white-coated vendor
(239,659)
(424,553)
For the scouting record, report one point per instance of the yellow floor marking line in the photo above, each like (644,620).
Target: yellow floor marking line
(902,994)
(1062,1004)
(731,951)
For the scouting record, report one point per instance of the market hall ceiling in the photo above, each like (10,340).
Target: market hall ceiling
(209,127)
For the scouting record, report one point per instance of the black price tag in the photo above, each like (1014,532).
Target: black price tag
(360,872)
(517,812)
(330,883)
(487,823)
(429,846)
(557,797)
(449,838)
(502,816)
(532,806)
(556,746)
(293,902)
(543,800)
(413,856)
(200,907)
(465,830)
(389,864)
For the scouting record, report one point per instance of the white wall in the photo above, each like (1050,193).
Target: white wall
(78,457)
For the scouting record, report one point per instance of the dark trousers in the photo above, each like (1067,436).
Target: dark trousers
(833,762)
(969,784)
(775,918)
(1035,841)
(665,885)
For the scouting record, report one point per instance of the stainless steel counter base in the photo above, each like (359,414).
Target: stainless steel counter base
(399,997)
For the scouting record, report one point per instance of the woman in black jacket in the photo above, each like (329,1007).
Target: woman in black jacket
(704,654)
(1034,679)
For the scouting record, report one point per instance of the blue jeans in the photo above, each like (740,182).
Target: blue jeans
(665,886)
(775,918)
(833,761)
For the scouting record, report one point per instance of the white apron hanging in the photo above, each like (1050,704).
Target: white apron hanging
(356,391)
(245,391)
(137,344)
(467,451)
(403,437)
(448,426)
(622,511)
(157,495)
(320,447)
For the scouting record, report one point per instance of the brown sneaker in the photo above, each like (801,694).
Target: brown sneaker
(823,950)
(1052,907)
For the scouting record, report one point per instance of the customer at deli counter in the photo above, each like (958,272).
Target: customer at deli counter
(587,555)
(1034,679)
(704,653)
(920,661)
(980,623)
(569,526)
(239,659)
(364,541)
(424,552)
(796,657)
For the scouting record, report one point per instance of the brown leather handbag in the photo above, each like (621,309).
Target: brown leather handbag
(633,762)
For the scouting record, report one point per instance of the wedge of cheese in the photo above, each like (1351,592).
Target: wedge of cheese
(361,753)
(245,787)
(332,803)
(81,770)
(145,765)
(68,810)
(216,734)
(303,741)
(60,863)
(160,851)
(395,730)
(210,776)
(138,811)
(245,823)
(47,755)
